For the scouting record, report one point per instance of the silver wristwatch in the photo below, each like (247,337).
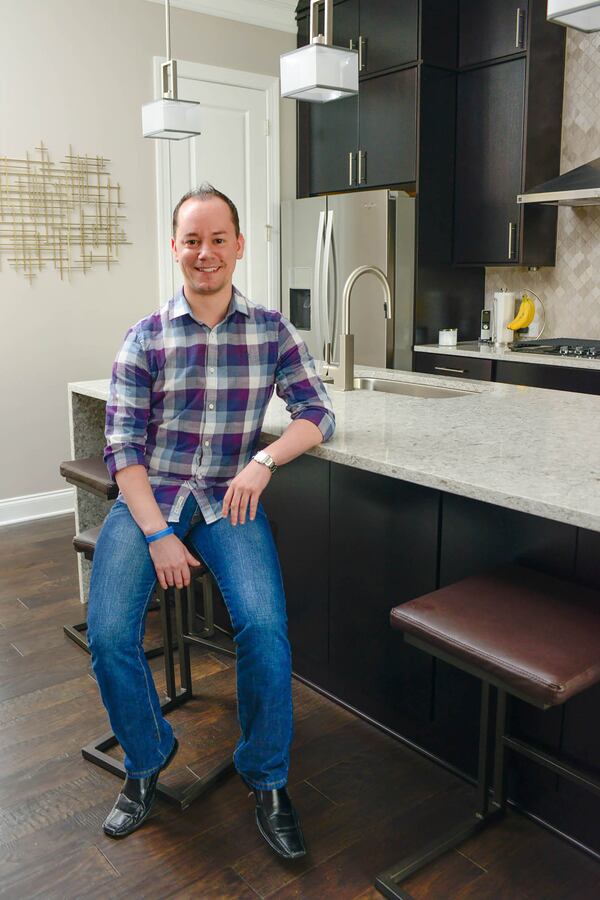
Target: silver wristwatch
(264,459)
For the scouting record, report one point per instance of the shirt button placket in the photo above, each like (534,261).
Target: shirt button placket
(211,395)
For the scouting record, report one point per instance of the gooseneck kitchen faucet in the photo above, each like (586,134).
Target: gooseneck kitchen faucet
(342,376)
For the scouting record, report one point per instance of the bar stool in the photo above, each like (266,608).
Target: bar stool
(95,751)
(88,474)
(85,542)
(525,635)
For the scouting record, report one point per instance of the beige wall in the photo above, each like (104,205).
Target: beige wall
(570,290)
(78,73)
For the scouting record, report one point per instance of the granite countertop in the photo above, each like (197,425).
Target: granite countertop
(519,447)
(488,351)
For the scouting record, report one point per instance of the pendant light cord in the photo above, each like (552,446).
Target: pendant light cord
(168,27)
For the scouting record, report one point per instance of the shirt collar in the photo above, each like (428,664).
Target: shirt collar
(178,305)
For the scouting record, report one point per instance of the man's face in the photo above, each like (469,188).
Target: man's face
(206,246)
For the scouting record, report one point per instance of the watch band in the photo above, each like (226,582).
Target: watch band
(265,459)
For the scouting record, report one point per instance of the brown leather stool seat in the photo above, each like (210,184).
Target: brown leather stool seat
(538,635)
(85,541)
(90,474)
(523,634)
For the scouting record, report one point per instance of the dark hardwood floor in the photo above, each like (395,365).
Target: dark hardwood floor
(364,799)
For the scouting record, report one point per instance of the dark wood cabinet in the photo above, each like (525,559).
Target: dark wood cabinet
(509,108)
(369,140)
(333,129)
(489,150)
(385,34)
(297,505)
(558,378)
(453,366)
(389,34)
(383,552)
(490,29)
(387,129)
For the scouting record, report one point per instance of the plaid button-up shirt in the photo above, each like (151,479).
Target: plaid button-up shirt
(188,402)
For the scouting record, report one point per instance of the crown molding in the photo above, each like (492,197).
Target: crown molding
(277,14)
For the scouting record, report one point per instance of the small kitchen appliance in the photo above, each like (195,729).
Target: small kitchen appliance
(504,312)
(485,334)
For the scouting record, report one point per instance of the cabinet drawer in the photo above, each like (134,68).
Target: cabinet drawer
(455,366)
(558,378)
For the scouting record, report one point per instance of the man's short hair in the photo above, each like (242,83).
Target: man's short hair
(205,192)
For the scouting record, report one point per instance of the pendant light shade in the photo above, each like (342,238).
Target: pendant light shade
(574,14)
(170,118)
(319,72)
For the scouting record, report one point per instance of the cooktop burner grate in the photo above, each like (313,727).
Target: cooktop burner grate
(560,347)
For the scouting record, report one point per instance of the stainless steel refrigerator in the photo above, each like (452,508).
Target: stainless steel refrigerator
(323,239)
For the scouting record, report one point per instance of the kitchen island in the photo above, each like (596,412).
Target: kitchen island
(412,494)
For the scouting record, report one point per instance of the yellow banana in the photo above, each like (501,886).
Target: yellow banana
(525,314)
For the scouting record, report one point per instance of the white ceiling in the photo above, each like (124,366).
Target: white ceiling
(278,14)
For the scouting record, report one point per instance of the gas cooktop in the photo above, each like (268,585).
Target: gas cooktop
(560,347)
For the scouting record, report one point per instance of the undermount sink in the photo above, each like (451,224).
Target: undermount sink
(409,388)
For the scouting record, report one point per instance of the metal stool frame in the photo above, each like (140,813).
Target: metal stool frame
(488,809)
(95,752)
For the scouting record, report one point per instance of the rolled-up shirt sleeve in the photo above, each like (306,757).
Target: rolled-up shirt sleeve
(128,407)
(298,384)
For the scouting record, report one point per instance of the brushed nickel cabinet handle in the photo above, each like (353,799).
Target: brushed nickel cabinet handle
(520,32)
(512,233)
(351,169)
(447,369)
(362,166)
(362,53)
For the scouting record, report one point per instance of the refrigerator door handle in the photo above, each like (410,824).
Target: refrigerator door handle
(316,323)
(324,304)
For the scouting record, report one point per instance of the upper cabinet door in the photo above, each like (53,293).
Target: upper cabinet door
(388,129)
(389,34)
(333,137)
(490,29)
(489,152)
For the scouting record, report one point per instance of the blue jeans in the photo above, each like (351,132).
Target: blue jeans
(244,562)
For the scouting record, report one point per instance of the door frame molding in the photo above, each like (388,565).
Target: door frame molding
(269,84)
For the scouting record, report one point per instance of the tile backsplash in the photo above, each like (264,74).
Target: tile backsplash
(571,290)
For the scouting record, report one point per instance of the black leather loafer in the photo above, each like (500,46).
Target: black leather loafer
(134,802)
(278,823)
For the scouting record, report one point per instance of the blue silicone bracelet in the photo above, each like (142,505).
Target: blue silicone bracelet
(159,534)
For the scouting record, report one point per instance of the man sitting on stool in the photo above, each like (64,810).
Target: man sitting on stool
(189,391)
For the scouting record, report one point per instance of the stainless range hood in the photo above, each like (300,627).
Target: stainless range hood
(579,187)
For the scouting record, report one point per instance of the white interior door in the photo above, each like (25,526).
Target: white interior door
(238,153)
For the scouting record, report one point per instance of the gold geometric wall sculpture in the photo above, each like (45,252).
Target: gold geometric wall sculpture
(65,214)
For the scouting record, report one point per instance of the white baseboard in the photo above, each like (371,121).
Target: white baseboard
(36,506)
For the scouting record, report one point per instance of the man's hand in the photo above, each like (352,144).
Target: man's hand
(245,489)
(172,561)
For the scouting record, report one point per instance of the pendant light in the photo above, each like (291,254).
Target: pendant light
(170,118)
(319,72)
(574,14)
